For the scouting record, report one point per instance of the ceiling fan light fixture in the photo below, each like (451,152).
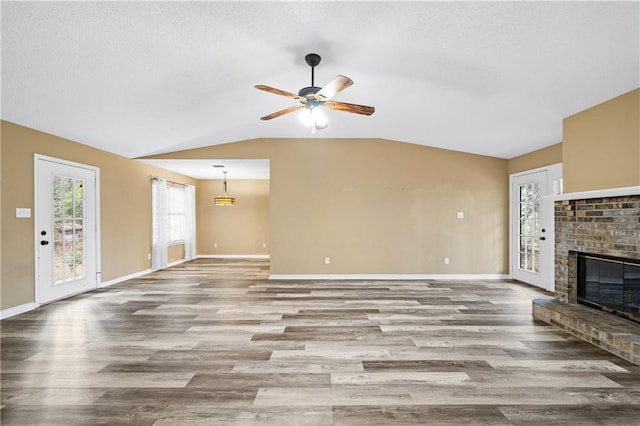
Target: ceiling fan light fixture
(320,120)
(313,117)
(305,117)
(224,200)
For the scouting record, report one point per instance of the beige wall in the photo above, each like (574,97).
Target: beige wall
(239,229)
(175,253)
(378,207)
(373,206)
(125,199)
(601,145)
(540,158)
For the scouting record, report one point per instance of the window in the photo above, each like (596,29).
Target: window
(176,214)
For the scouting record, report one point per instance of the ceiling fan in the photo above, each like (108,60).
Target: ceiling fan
(312,98)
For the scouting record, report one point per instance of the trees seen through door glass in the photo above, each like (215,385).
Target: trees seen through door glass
(68,220)
(529,207)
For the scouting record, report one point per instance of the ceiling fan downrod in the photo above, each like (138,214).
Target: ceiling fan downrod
(312,59)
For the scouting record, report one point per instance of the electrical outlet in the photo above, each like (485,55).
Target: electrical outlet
(215,245)
(264,245)
(446,260)
(23,212)
(460,215)
(327,260)
(149,256)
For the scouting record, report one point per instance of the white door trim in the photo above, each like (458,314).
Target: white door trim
(554,188)
(36,158)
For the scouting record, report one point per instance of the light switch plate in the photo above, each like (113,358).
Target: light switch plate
(460,215)
(23,212)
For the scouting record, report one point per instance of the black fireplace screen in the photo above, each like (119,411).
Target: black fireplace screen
(612,284)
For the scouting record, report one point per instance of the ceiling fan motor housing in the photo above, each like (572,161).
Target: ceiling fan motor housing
(309,91)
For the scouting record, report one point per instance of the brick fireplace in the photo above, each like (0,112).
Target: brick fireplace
(605,226)
(601,226)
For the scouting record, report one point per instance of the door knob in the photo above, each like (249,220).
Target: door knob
(543,238)
(44,243)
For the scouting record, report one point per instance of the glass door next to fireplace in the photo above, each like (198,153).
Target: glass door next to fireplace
(531,231)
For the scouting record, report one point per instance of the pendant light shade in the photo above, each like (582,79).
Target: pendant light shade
(224,200)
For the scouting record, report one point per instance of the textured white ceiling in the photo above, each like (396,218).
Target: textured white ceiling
(137,78)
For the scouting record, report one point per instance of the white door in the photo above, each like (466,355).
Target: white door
(66,228)
(530,223)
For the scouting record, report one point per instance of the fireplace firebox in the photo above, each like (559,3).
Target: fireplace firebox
(609,283)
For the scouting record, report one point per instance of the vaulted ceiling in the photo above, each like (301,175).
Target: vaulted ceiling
(137,78)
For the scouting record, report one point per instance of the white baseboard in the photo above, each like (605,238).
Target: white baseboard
(17,310)
(391,277)
(233,256)
(177,262)
(124,278)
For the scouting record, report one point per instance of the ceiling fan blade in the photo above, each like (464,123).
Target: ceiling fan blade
(334,87)
(356,109)
(282,112)
(278,91)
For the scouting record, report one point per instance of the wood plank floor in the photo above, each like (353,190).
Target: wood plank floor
(213,342)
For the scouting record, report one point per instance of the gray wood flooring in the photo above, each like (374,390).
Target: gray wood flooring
(213,342)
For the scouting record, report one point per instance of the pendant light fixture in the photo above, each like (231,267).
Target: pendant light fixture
(224,200)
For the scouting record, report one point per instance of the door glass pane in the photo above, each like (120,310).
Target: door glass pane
(68,265)
(58,230)
(58,253)
(68,237)
(529,229)
(77,231)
